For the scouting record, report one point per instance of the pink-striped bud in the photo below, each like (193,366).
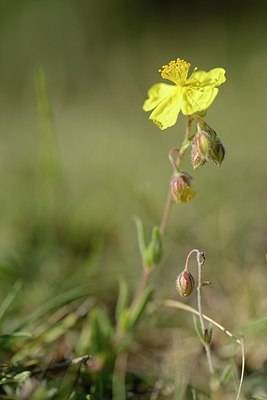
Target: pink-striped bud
(185,284)
(203,143)
(196,158)
(180,186)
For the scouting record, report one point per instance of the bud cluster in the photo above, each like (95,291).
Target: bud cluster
(206,146)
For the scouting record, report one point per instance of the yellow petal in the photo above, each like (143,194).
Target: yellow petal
(185,196)
(200,90)
(156,94)
(199,99)
(214,77)
(188,195)
(166,113)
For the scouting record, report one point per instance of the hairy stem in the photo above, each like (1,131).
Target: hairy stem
(143,284)
(167,208)
(121,360)
(180,156)
(200,262)
(166,214)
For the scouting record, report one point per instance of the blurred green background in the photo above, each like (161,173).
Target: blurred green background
(100,58)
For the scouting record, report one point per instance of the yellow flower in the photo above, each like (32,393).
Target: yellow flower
(189,95)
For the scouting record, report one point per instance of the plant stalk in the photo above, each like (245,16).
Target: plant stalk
(180,156)
(121,359)
(200,263)
(142,285)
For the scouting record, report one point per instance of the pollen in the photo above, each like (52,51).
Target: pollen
(175,71)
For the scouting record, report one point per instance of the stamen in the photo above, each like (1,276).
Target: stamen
(175,71)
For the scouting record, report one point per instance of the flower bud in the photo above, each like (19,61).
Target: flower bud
(185,284)
(203,142)
(180,186)
(196,159)
(206,146)
(217,152)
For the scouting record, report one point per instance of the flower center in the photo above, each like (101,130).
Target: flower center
(176,71)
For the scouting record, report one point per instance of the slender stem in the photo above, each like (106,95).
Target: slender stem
(242,367)
(143,284)
(166,214)
(188,127)
(176,164)
(171,159)
(121,360)
(168,205)
(184,143)
(188,258)
(239,341)
(200,262)
(199,295)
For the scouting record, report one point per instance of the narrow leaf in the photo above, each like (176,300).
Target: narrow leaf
(138,309)
(140,235)
(122,299)
(12,294)
(198,329)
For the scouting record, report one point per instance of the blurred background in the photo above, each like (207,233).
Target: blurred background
(99,59)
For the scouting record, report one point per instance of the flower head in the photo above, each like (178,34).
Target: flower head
(189,95)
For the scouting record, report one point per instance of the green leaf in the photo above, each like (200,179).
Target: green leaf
(53,304)
(140,235)
(139,307)
(22,376)
(227,374)
(122,299)
(259,396)
(208,334)
(198,329)
(153,252)
(124,319)
(11,296)
(101,329)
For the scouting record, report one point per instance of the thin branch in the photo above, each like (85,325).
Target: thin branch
(166,213)
(121,360)
(200,262)
(242,367)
